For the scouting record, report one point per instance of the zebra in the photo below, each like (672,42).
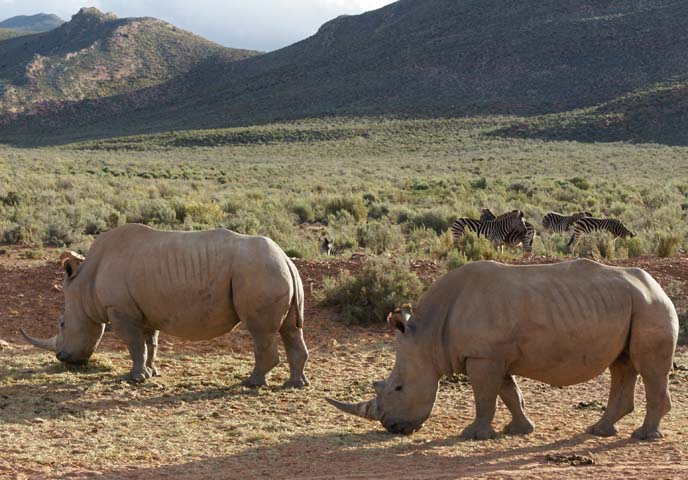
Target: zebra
(327,246)
(496,230)
(517,236)
(592,224)
(557,223)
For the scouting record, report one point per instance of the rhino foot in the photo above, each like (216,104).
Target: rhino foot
(478,432)
(251,382)
(298,383)
(522,427)
(602,430)
(644,433)
(139,376)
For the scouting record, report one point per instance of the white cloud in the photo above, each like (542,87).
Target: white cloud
(255,24)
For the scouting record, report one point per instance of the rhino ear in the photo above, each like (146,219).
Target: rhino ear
(398,319)
(70,262)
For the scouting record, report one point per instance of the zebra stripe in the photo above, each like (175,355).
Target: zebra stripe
(516,237)
(496,230)
(592,224)
(557,223)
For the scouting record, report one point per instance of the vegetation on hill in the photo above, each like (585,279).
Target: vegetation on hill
(380,186)
(6,33)
(27,24)
(575,65)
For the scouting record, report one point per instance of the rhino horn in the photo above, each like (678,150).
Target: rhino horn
(48,344)
(367,409)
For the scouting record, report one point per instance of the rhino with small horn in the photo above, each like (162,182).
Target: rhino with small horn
(561,324)
(192,285)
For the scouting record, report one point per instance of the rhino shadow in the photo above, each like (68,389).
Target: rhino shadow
(323,456)
(22,403)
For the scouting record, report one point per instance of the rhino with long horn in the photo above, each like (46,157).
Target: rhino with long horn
(193,285)
(561,324)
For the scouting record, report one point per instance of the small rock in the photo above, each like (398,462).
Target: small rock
(5,345)
(573,460)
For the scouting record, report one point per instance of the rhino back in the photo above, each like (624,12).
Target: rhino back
(180,282)
(562,323)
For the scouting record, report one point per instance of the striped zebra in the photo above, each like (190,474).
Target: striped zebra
(592,224)
(517,236)
(497,230)
(557,223)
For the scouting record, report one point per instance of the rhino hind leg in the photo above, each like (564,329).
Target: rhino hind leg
(152,347)
(267,357)
(297,354)
(621,397)
(487,378)
(513,399)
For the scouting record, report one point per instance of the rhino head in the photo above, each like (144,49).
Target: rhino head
(78,335)
(405,398)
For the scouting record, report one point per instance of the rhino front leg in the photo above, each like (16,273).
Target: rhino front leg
(487,378)
(152,347)
(513,399)
(131,331)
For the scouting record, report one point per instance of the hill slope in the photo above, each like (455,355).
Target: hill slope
(76,67)
(32,23)
(433,58)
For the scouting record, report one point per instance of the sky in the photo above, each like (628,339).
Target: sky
(252,24)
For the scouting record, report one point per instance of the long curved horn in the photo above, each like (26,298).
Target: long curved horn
(48,344)
(367,409)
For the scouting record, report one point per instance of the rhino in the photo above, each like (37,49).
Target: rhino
(192,285)
(561,324)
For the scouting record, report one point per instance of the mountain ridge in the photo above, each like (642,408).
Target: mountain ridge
(432,58)
(41,22)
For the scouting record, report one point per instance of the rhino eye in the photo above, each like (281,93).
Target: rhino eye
(399,388)
(61,323)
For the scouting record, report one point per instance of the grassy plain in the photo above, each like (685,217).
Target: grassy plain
(372,184)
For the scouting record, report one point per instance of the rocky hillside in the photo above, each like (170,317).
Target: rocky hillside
(96,65)
(32,23)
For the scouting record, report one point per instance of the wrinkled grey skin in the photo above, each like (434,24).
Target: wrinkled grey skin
(560,324)
(192,285)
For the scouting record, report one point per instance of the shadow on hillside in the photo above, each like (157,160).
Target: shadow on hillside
(649,117)
(366,455)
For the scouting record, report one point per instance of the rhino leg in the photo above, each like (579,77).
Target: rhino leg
(131,331)
(513,399)
(297,354)
(621,397)
(267,357)
(152,347)
(487,378)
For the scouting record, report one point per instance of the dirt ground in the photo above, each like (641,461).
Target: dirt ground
(197,422)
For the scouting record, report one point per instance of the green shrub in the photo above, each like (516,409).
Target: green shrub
(304,212)
(379,237)
(476,248)
(455,259)
(479,184)
(667,245)
(634,246)
(369,295)
(675,292)
(598,246)
(156,212)
(432,219)
(580,183)
(209,213)
(354,206)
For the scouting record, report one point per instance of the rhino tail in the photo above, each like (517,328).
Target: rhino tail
(297,300)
